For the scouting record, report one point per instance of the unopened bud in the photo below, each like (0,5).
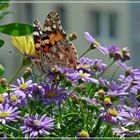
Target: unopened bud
(3,82)
(27,73)
(72,36)
(101,93)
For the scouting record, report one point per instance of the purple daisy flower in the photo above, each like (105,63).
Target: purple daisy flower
(124,132)
(8,113)
(98,66)
(129,71)
(53,94)
(23,88)
(22,85)
(133,117)
(15,99)
(37,125)
(135,89)
(104,82)
(91,40)
(94,65)
(80,75)
(114,52)
(36,91)
(117,90)
(113,115)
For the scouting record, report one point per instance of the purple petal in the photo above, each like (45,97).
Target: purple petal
(89,38)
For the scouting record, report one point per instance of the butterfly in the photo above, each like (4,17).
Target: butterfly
(52,44)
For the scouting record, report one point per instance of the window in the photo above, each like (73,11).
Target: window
(29,12)
(96,22)
(113,23)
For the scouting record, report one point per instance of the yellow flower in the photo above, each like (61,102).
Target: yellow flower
(25,44)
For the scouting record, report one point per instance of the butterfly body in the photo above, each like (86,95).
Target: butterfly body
(52,45)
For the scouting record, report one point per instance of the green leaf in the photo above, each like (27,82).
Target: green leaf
(16,29)
(70,114)
(2,89)
(1,43)
(2,70)
(3,6)
(3,13)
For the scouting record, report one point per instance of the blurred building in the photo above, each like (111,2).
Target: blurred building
(109,23)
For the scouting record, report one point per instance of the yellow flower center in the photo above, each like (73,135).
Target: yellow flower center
(50,94)
(13,98)
(23,86)
(1,98)
(127,131)
(113,112)
(134,120)
(86,66)
(84,134)
(107,100)
(4,114)
(119,52)
(83,75)
(36,122)
(97,43)
(55,69)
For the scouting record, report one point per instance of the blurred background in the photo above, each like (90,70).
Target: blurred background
(109,22)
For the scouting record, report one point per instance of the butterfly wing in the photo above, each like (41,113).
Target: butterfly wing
(37,35)
(56,49)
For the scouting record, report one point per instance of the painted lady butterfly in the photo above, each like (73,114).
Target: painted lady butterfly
(52,45)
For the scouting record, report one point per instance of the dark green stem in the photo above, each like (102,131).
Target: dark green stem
(97,128)
(114,73)
(85,53)
(107,68)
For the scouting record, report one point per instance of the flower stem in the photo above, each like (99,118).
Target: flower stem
(114,73)
(97,128)
(107,68)
(85,53)
(16,74)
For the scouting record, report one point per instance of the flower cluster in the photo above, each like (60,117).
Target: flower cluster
(78,103)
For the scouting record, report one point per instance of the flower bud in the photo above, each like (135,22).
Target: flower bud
(127,72)
(72,36)
(101,93)
(84,133)
(107,101)
(75,98)
(3,82)
(83,99)
(27,72)
(68,83)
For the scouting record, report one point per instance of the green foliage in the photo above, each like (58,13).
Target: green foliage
(16,29)
(3,13)
(2,70)
(4,5)
(1,43)
(2,89)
